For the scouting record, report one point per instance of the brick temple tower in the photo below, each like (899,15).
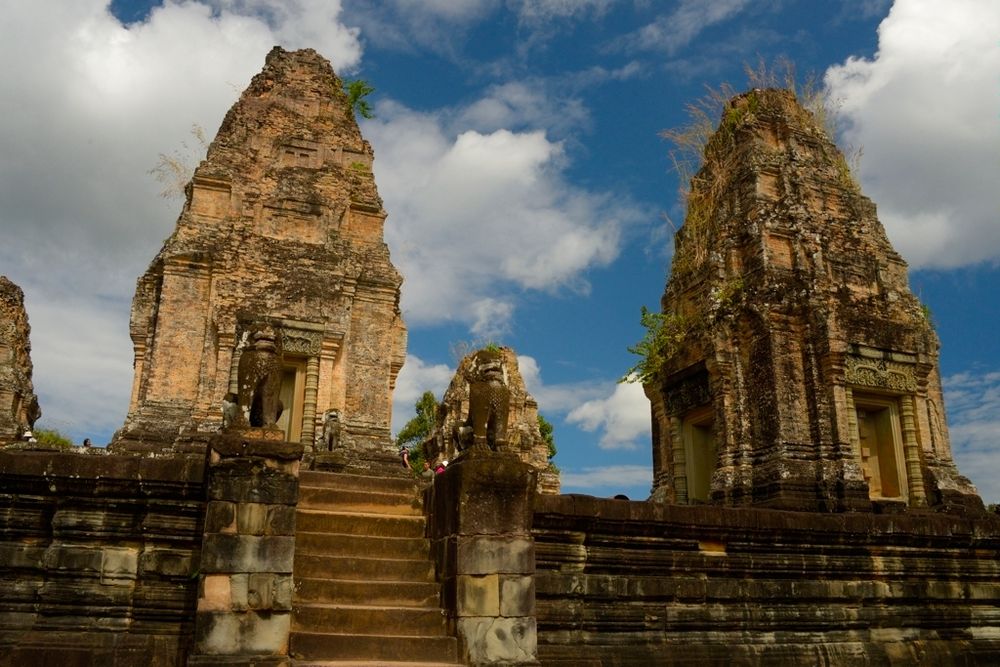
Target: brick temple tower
(281,227)
(801,372)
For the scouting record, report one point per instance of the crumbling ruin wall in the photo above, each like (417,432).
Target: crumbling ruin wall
(640,583)
(18,403)
(98,557)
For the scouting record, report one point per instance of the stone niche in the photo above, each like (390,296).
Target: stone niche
(488,391)
(806,372)
(262,238)
(18,403)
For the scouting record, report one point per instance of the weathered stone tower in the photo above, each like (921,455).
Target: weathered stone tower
(18,403)
(282,229)
(801,372)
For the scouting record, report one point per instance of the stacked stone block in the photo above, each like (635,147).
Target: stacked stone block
(97,557)
(245,589)
(481,510)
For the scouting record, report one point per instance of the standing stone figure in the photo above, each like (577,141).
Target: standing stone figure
(259,377)
(330,437)
(489,402)
(231,413)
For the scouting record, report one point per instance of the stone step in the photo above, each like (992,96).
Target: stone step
(374,525)
(372,648)
(368,619)
(363,569)
(330,544)
(339,480)
(359,500)
(369,663)
(379,593)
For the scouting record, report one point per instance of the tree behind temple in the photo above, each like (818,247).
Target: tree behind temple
(415,431)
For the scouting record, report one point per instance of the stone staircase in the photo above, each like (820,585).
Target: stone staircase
(365,592)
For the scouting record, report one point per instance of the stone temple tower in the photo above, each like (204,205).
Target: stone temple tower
(281,228)
(801,372)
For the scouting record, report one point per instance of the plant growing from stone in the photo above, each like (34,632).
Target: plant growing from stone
(357,90)
(665,333)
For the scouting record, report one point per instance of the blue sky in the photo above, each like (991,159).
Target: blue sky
(518,155)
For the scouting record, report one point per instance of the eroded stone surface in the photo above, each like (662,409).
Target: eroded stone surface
(281,229)
(801,372)
(18,403)
(487,403)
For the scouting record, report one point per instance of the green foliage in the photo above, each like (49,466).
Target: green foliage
(925,310)
(728,294)
(53,437)
(357,90)
(415,431)
(665,333)
(492,347)
(547,434)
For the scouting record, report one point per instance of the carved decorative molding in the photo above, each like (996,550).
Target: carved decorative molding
(687,394)
(297,341)
(881,374)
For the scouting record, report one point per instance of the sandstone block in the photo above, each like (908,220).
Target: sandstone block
(119,563)
(166,562)
(517,595)
(478,595)
(499,640)
(485,554)
(216,593)
(247,553)
(220,517)
(74,557)
(242,634)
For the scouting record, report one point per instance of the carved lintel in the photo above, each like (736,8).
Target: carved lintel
(880,374)
(686,394)
(297,341)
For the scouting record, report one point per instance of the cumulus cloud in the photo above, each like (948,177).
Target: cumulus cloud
(671,32)
(623,416)
(478,216)
(438,26)
(86,110)
(537,11)
(973,402)
(416,377)
(557,398)
(609,479)
(926,111)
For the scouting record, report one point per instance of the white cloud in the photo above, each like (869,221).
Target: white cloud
(478,216)
(414,379)
(624,416)
(439,26)
(538,11)
(556,398)
(973,403)
(926,110)
(613,477)
(672,32)
(87,106)
(519,104)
